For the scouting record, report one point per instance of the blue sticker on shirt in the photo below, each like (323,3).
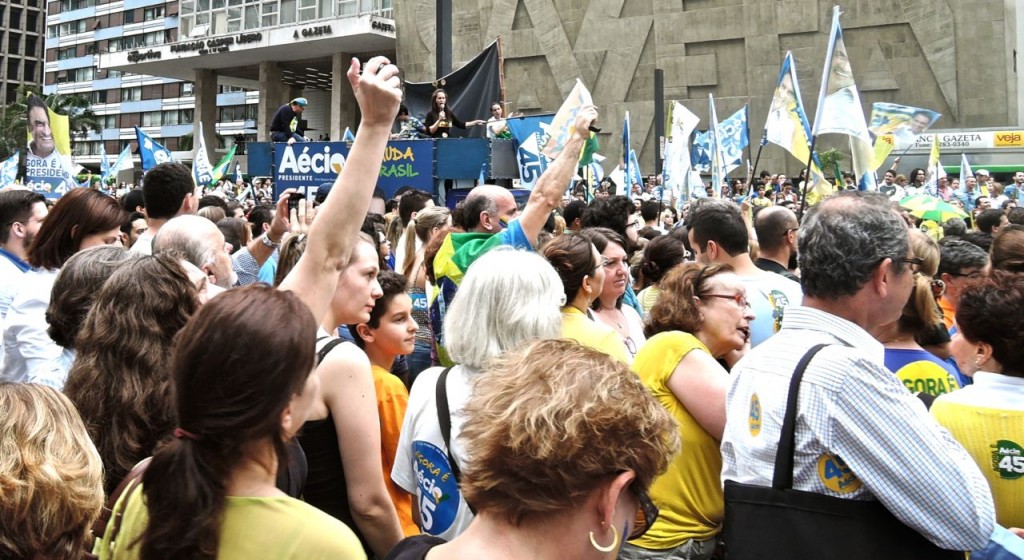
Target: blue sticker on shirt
(438,492)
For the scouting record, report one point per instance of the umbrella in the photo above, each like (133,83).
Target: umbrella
(931,208)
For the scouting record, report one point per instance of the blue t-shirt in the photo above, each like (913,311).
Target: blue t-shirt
(921,371)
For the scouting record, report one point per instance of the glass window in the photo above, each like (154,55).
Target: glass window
(188,7)
(152,118)
(131,93)
(252,17)
(288,11)
(15,20)
(187,89)
(154,13)
(53,31)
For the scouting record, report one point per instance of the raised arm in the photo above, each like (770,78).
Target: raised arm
(547,194)
(332,235)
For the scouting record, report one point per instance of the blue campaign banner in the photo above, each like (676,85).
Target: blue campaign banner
(306,165)
(530,134)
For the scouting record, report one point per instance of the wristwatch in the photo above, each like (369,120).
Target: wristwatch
(265,239)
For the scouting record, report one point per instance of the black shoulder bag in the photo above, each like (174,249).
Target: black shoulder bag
(780,522)
(444,419)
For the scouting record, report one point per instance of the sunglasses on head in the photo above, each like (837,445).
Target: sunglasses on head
(646,513)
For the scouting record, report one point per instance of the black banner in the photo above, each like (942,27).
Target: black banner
(471,91)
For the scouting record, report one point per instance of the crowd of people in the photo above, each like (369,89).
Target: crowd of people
(355,377)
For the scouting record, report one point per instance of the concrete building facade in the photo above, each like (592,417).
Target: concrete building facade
(21,46)
(957,57)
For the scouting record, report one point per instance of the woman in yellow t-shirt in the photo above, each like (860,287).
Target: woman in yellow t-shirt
(701,315)
(242,384)
(581,268)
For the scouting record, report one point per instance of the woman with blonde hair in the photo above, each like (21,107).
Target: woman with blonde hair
(918,369)
(701,316)
(51,477)
(564,442)
(427,223)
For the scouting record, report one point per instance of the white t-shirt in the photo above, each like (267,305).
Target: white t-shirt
(421,461)
(769,294)
(27,346)
(143,244)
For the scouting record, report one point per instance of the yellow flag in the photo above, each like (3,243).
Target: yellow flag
(884,145)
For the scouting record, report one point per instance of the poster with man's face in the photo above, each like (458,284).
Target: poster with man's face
(48,161)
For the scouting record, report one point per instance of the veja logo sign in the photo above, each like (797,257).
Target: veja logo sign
(319,160)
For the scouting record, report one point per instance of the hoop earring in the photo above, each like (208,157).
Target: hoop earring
(609,548)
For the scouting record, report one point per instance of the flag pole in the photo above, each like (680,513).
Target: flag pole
(807,181)
(753,170)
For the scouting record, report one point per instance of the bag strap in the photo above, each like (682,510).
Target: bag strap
(327,348)
(444,419)
(125,488)
(783,478)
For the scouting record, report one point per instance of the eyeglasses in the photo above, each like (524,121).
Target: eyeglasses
(914,262)
(646,514)
(739,299)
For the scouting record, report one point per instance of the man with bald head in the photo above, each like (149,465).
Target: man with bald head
(776,228)
(200,242)
(492,219)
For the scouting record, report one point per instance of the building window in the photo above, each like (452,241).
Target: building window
(154,13)
(68,5)
(129,16)
(106,121)
(30,72)
(66,53)
(13,45)
(114,73)
(188,89)
(131,94)
(32,21)
(72,28)
(53,31)
(15,20)
(152,118)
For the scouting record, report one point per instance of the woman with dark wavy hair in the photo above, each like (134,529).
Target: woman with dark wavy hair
(987,417)
(120,381)
(241,377)
(80,219)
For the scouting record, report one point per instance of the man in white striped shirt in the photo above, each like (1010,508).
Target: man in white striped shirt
(860,434)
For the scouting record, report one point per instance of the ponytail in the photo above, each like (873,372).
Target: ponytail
(409,251)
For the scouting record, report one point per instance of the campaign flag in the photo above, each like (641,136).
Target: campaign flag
(787,125)
(202,172)
(124,161)
(528,135)
(717,163)
(9,170)
(839,109)
(618,177)
(733,137)
(635,177)
(596,171)
(238,172)
(935,169)
(884,145)
(902,121)
(625,150)
(48,166)
(562,123)
(700,152)
(152,152)
(348,136)
(221,169)
(965,171)
(677,166)
(104,164)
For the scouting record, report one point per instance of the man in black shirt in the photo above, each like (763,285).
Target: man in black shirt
(285,126)
(776,229)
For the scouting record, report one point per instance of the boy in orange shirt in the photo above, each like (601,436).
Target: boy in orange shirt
(390,332)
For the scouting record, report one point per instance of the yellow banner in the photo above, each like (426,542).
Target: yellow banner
(1009,139)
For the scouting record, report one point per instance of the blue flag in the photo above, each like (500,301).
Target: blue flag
(151,152)
(634,176)
(717,163)
(529,135)
(733,137)
(348,136)
(9,170)
(104,164)
(700,152)
(626,148)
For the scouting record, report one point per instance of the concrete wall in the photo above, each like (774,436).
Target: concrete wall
(952,56)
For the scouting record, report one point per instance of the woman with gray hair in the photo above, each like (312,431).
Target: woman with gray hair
(507,299)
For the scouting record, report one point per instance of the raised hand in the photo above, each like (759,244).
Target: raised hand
(586,117)
(378,90)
